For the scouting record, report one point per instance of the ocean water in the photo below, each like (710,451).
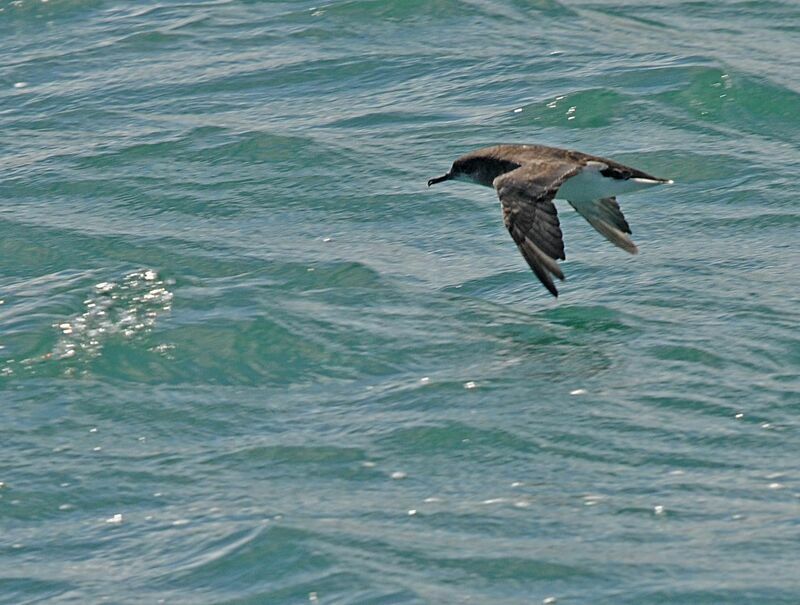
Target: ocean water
(246,356)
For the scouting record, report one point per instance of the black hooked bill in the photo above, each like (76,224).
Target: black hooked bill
(439,179)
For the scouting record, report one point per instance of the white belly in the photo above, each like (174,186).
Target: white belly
(590,185)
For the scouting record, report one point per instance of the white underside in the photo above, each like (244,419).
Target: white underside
(590,185)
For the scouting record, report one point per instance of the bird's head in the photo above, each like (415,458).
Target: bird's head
(480,167)
(461,170)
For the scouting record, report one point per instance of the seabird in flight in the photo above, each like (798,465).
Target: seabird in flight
(529,177)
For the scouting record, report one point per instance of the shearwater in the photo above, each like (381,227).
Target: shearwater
(529,177)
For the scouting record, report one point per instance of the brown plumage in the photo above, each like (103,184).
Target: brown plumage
(529,177)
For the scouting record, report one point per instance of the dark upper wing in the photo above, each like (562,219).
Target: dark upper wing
(526,195)
(605,216)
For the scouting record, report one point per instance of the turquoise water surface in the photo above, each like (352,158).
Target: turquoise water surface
(246,356)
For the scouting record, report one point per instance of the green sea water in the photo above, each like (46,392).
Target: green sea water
(247,357)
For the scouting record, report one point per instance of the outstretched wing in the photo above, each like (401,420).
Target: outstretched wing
(526,195)
(605,215)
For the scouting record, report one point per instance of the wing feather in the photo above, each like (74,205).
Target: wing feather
(526,195)
(606,217)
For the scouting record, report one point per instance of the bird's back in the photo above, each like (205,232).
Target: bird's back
(534,154)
